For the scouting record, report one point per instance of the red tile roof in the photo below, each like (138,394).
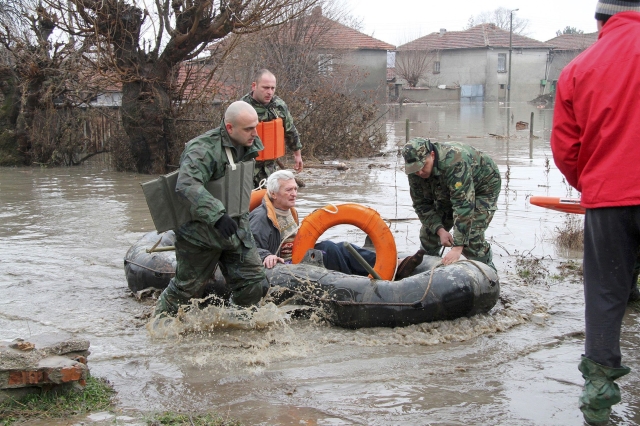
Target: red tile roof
(573,41)
(195,80)
(338,36)
(480,36)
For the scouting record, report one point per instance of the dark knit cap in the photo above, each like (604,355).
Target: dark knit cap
(606,8)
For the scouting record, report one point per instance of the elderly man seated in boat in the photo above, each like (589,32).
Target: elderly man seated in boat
(274,225)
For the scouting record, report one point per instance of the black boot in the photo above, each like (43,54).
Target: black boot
(409,264)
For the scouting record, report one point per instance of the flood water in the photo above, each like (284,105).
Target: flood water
(65,233)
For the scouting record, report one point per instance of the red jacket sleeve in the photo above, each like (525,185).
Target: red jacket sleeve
(566,133)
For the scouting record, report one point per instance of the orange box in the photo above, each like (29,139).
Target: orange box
(272,136)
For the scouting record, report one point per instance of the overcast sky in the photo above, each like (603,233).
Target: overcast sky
(399,21)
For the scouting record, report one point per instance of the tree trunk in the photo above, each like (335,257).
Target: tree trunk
(9,110)
(11,106)
(145,109)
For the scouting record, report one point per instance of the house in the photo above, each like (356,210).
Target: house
(304,49)
(565,47)
(477,60)
(356,50)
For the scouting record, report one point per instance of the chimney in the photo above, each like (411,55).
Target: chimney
(442,31)
(316,12)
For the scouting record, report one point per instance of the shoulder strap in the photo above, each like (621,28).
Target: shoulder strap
(230,157)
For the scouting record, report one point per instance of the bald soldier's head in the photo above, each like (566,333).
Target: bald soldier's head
(241,121)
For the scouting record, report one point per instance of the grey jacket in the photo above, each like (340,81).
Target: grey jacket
(265,228)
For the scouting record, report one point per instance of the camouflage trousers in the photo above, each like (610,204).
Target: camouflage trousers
(241,267)
(478,248)
(262,170)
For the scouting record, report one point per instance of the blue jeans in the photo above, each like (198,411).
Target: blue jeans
(336,257)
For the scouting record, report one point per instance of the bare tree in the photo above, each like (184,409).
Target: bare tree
(501,17)
(37,74)
(569,30)
(143,47)
(415,65)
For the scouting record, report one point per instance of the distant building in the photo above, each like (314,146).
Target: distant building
(476,60)
(564,48)
(310,45)
(357,50)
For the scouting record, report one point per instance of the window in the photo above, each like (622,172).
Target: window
(502,62)
(436,67)
(325,64)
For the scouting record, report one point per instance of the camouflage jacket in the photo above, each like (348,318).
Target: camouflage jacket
(460,174)
(204,159)
(277,108)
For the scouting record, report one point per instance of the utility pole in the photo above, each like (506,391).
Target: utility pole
(510,50)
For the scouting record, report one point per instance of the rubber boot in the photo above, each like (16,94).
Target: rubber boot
(409,264)
(599,393)
(169,302)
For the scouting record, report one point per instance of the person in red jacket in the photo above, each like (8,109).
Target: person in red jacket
(596,145)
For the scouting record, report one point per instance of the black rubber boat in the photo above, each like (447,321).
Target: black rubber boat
(431,293)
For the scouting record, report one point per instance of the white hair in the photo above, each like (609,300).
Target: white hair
(273,182)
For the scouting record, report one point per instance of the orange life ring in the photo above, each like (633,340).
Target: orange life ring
(365,218)
(256,198)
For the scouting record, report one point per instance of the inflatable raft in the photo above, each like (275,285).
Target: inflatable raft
(431,293)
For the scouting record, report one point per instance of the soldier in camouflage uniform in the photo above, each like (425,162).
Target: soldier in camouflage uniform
(214,237)
(269,107)
(452,185)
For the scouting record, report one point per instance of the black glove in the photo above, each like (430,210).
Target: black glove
(226,226)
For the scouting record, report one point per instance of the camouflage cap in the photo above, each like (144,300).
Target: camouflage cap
(415,153)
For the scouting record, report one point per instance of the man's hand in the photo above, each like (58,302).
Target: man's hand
(297,156)
(226,226)
(452,256)
(271,261)
(446,239)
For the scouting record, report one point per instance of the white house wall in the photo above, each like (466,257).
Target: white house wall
(372,68)
(480,67)
(460,67)
(527,69)
(560,60)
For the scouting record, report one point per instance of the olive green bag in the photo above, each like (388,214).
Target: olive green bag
(169,210)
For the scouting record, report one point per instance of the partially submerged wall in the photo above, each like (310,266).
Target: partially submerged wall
(429,94)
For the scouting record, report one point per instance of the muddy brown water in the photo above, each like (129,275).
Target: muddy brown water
(65,232)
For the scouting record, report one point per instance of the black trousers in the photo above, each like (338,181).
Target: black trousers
(611,243)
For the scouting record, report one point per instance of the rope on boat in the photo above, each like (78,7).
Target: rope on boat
(149,269)
(415,304)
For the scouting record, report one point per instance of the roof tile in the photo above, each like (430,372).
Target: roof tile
(340,36)
(573,41)
(479,36)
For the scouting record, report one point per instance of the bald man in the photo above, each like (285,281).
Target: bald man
(269,107)
(213,237)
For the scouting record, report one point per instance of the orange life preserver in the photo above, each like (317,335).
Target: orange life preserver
(272,136)
(365,218)
(256,198)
